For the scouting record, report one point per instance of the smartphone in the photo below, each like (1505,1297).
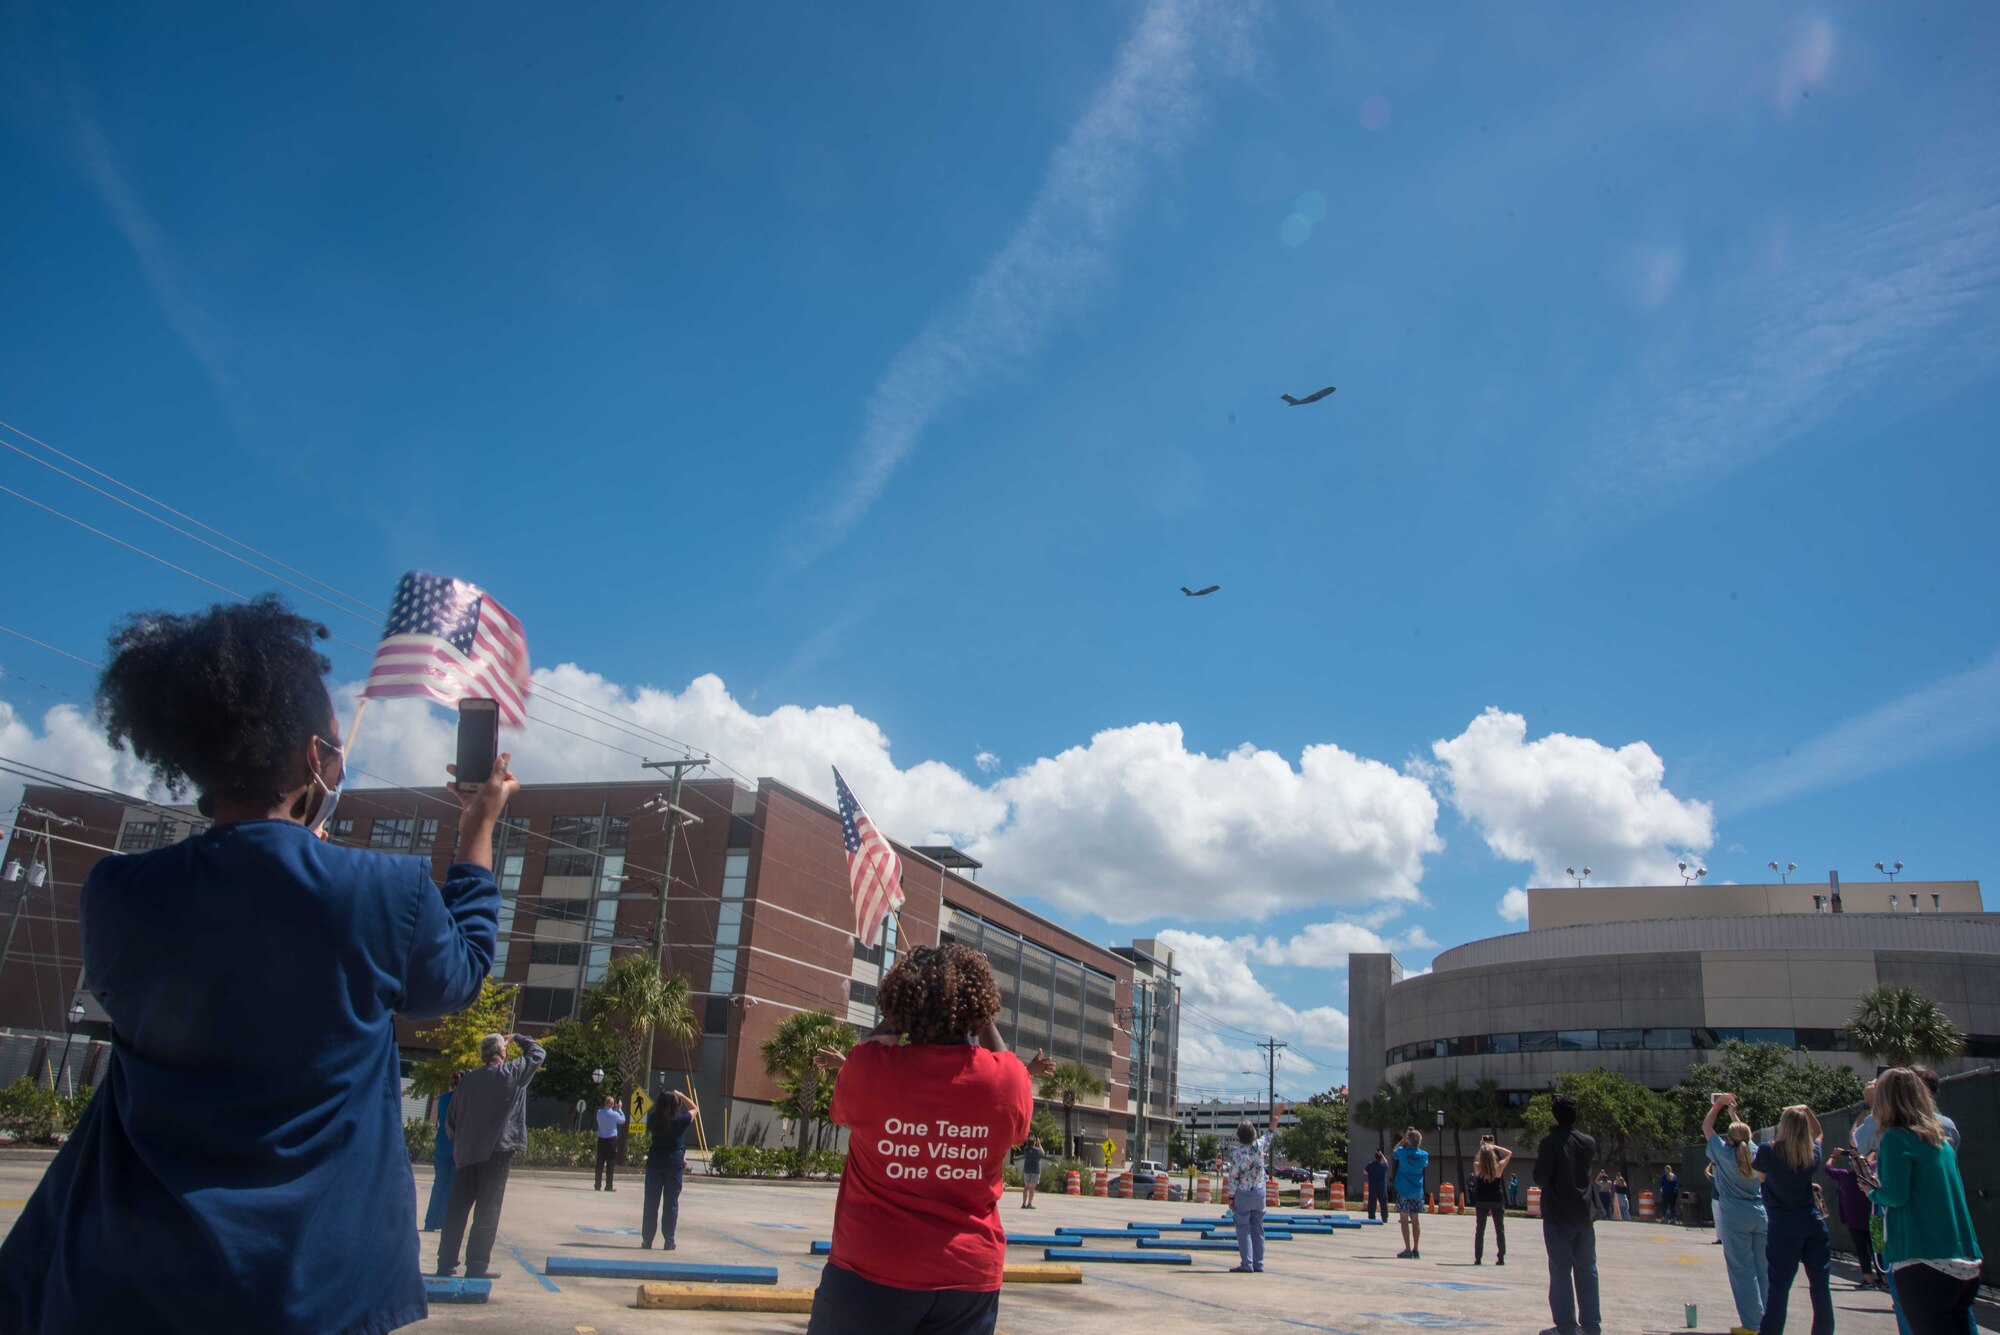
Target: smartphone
(478,742)
(1717,1098)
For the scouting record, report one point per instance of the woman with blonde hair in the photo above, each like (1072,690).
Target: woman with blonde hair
(1740,1223)
(1489,1197)
(1797,1231)
(1928,1242)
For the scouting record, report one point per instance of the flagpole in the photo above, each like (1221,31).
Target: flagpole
(353,727)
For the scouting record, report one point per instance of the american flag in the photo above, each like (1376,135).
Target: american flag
(447,640)
(873,869)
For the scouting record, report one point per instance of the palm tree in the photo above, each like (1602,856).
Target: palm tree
(1066,1084)
(1900,1025)
(632,1004)
(1371,1114)
(1490,1107)
(788,1056)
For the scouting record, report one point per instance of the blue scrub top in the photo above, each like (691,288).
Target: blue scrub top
(242,1165)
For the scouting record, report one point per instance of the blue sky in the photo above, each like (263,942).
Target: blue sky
(894,370)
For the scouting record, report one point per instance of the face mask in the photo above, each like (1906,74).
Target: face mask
(331,802)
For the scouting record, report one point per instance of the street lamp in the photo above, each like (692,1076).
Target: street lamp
(1577,876)
(1890,872)
(13,872)
(1785,872)
(1690,876)
(597,1076)
(75,1019)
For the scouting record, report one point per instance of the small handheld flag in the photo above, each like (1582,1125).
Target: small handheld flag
(447,640)
(873,870)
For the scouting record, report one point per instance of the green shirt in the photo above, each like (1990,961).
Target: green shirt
(1925,1201)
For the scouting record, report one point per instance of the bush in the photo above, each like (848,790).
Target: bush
(33,1113)
(548,1147)
(786,1161)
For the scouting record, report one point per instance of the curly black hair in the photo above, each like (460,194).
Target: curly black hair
(222,699)
(940,994)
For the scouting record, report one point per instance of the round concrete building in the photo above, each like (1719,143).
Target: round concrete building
(1643,980)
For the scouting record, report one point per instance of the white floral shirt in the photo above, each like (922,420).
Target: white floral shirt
(1247,1167)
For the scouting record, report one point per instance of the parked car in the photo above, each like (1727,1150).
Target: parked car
(1153,1166)
(1142,1186)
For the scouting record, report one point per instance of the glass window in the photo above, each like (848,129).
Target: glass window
(861,992)
(873,954)
(427,834)
(729,925)
(546,1005)
(716,1019)
(506,935)
(556,952)
(1503,1042)
(138,836)
(1782,1037)
(1576,1040)
(563,910)
(341,830)
(1539,1040)
(573,846)
(616,830)
(1621,1038)
(1821,1040)
(394,833)
(722,977)
(1669,1038)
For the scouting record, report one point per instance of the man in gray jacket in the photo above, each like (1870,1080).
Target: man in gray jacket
(488,1122)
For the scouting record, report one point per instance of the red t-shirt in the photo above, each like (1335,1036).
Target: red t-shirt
(930,1124)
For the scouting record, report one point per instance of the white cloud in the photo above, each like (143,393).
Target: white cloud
(1225,996)
(1135,825)
(987,762)
(69,741)
(1057,257)
(158,263)
(1514,904)
(408,741)
(1561,801)
(1131,826)
(1953,714)
(1326,945)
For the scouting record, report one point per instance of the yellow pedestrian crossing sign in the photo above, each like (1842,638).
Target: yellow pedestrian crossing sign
(640,1105)
(1110,1148)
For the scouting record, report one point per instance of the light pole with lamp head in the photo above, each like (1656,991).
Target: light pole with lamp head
(1578,876)
(1689,877)
(1784,872)
(75,1019)
(1889,871)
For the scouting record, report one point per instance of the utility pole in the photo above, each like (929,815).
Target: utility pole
(1142,1042)
(1271,1048)
(673,814)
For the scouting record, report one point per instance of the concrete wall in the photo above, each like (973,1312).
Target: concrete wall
(1570,906)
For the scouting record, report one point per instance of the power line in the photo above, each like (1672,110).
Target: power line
(176,513)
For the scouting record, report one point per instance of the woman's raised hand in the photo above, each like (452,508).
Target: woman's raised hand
(484,807)
(829,1059)
(1041,1064)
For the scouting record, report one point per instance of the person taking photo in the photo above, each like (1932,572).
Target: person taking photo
(242,1165)
(1740,1222)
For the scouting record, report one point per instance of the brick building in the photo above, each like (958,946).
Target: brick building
(758,919)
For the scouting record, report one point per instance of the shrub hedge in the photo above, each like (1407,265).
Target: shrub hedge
(787,1161)
(548,1147)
